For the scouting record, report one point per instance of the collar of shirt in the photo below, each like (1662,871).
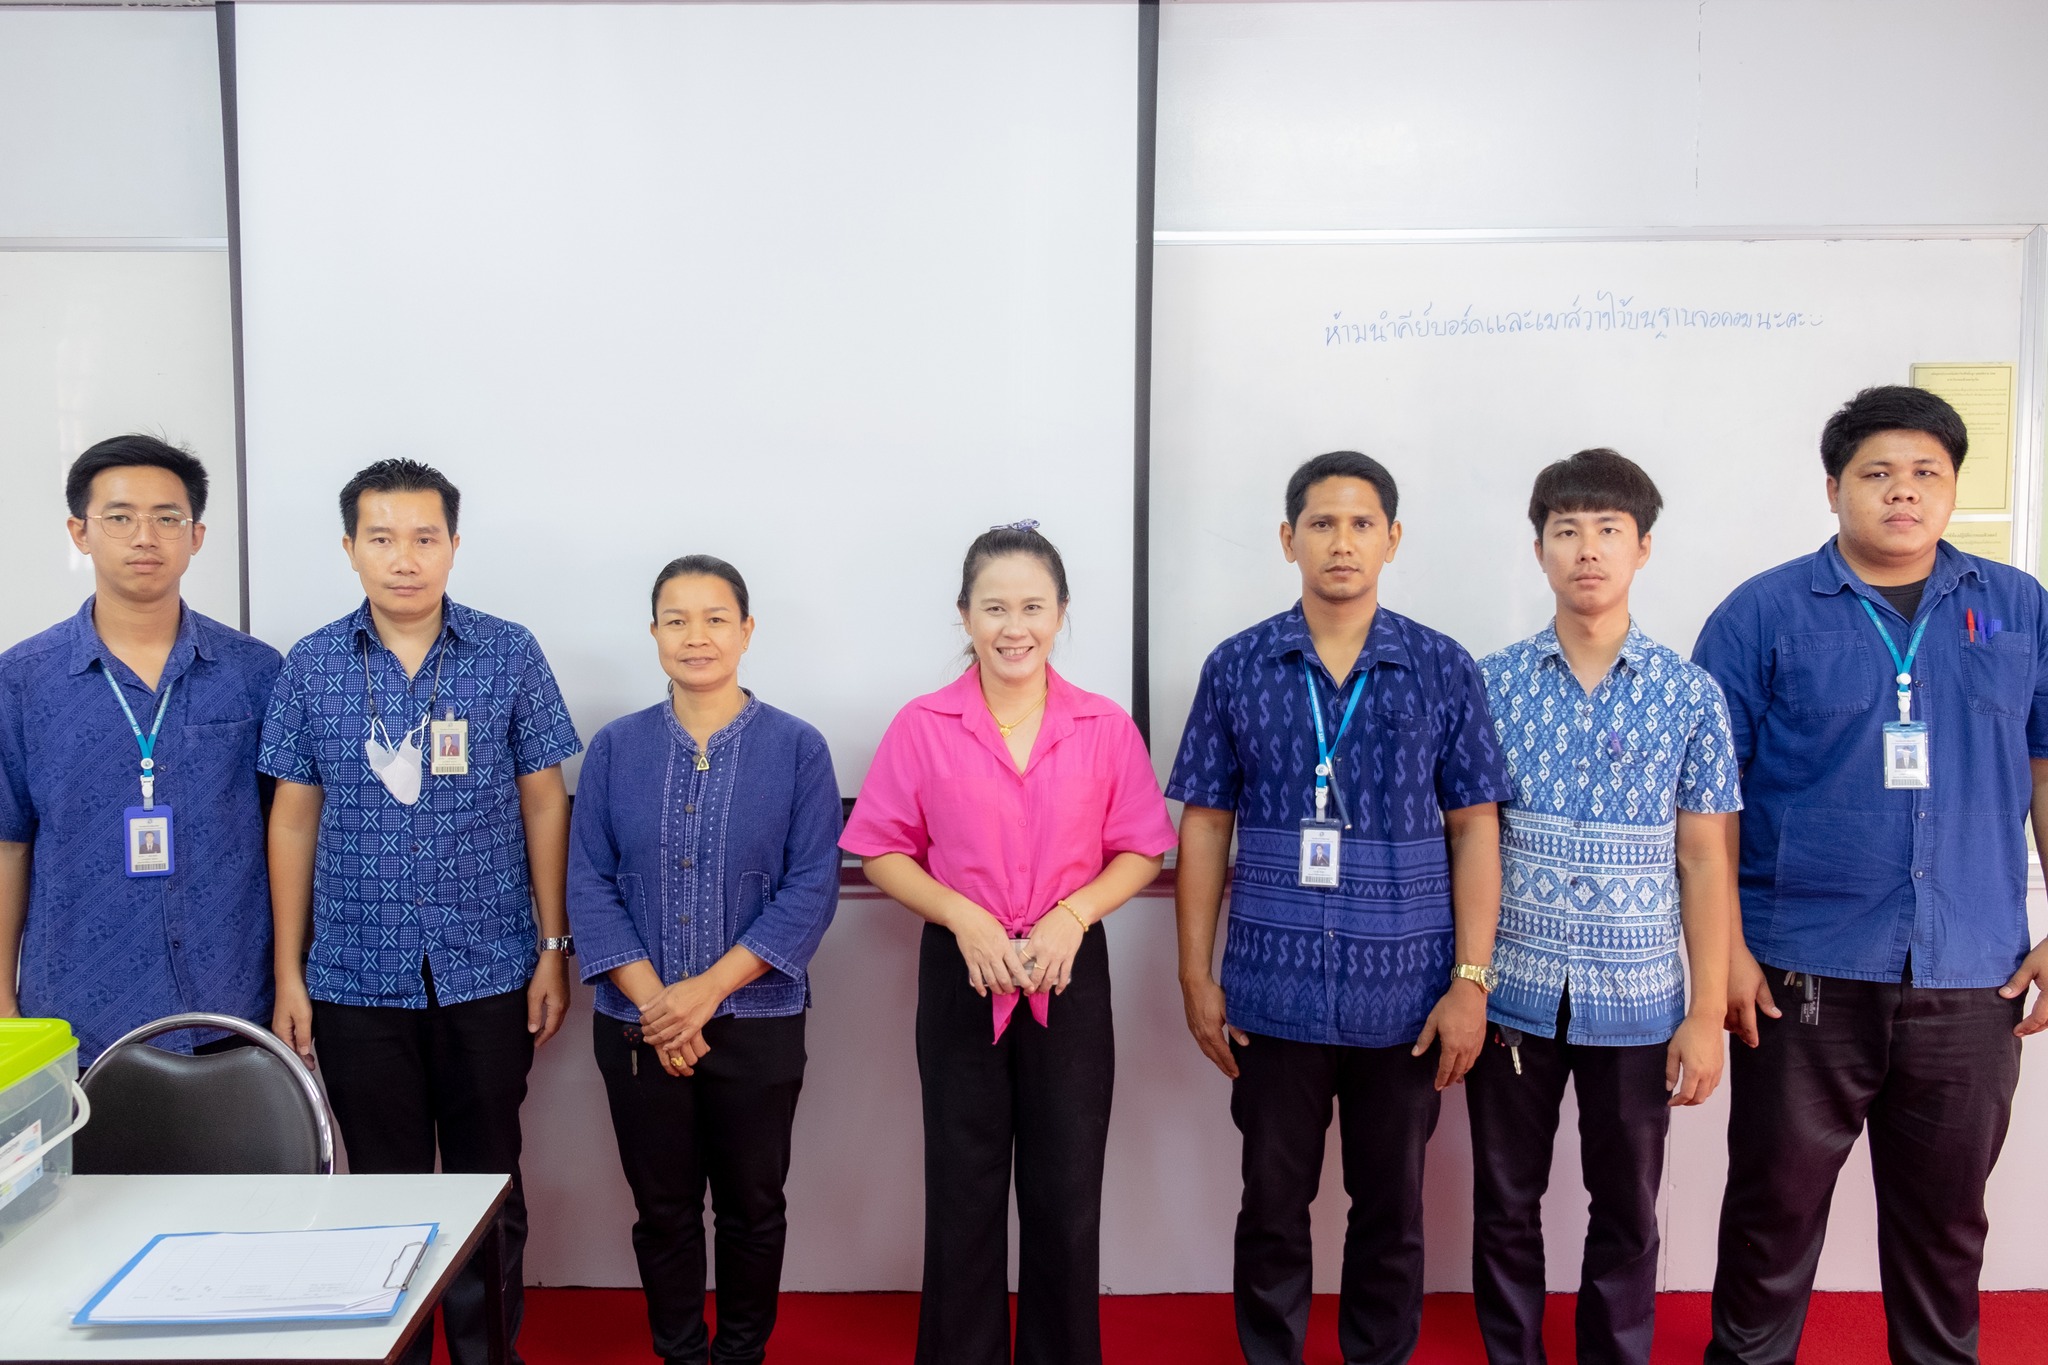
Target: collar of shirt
(1832,574)
(1064,704)
(725,735)
(87,648)
(1383,643)
(457,623)
(1635,647)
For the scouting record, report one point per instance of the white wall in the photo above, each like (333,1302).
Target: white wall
(1601,113)
(110,137)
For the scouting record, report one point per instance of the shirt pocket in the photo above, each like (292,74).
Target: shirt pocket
(1998,675)
(1827,673)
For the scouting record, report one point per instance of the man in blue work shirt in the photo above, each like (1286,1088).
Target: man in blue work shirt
(131,817)
(420,827)
(1889,699)
(1625,788)
(1350,750)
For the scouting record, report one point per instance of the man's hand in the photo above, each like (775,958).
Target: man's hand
(1207,1021)
(291,1018)
(1748,992)
(1692,1064)
(2033,971)
(547,997)
(1458,1023)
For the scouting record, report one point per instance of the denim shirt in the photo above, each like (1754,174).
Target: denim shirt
(1841,876)
(673,863)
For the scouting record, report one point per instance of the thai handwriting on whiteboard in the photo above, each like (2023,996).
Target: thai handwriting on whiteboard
(1608,313)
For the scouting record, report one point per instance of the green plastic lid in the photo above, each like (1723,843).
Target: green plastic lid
(29,1045)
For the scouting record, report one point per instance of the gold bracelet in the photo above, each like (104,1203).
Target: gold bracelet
(1079,918)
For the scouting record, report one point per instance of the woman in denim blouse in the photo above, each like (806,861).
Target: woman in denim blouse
(703,869)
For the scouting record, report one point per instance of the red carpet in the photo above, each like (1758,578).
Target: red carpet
(609,1327)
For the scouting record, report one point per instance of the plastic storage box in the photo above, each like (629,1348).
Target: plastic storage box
(38,1088)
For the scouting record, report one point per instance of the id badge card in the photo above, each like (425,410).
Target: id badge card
(1905,754)
(1322,843)
(147,842)
(450,739)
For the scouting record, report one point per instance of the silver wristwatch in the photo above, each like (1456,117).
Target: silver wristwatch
(565,945)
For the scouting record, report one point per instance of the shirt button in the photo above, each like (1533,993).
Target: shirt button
(1923,815)
(1330,934)
(1919,873)
(683,863)
(682,919)
(690,808)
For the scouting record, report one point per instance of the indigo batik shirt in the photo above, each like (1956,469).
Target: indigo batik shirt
(1588,845)
(104,950)
(1361,963)
(443,881)
(1842,876)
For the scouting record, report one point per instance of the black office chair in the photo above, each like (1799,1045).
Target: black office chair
(246,1111)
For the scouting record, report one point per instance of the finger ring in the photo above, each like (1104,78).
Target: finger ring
(675,1059)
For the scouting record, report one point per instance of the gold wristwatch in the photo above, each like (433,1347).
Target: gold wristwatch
(1485,978)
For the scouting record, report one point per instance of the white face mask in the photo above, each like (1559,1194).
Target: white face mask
(398,769)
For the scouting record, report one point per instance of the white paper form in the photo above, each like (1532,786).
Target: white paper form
(262,1276)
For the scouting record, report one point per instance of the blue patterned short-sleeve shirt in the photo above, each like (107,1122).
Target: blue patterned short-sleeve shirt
(1589,885)
(1361,963)
(443,880)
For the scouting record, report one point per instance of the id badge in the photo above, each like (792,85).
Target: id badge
(451,748)
(1322,843)
(1905,754)
(147,846)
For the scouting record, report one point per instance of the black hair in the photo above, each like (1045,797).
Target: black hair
(1340,464)
(127,452)
(398,476)
(1890,407)
(1021,538)
(1596,480)
(708,566)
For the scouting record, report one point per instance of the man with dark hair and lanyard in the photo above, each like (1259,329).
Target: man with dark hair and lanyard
(1351,752)
(420,826)
(1889,701)
(135,712)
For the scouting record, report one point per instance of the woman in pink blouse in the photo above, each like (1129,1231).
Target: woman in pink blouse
(1013,811)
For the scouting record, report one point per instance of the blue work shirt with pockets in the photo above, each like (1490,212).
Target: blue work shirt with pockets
(673,861)
(1841,876)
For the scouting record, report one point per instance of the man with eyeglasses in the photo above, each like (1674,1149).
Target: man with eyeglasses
(132,875)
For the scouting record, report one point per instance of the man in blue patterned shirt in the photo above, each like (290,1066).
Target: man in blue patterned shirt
(1625,788)
(420,826)
(108,946)
(1363,900)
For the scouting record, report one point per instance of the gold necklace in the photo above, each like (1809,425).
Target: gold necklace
(1005,729)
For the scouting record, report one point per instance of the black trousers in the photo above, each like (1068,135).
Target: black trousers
(405,1082)
(1039,1099)
(728,1125)
(1932,1072)
(1388,1107)
(1624,1116)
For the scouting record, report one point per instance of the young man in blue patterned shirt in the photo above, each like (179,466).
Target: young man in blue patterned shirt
(1617,836)
(1361,919)
(420,828)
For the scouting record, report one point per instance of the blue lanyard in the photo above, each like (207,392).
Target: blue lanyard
(1325,751)
(1905,665)
(148,742)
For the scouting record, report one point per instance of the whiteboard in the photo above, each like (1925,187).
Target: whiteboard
(1467,367)
(94,344)
(825,290)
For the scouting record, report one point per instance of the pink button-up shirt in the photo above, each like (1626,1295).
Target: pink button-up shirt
(944,790)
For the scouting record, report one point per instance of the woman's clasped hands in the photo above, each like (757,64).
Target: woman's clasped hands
(1040,962)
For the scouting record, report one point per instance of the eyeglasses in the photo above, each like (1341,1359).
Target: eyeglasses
(122,525)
